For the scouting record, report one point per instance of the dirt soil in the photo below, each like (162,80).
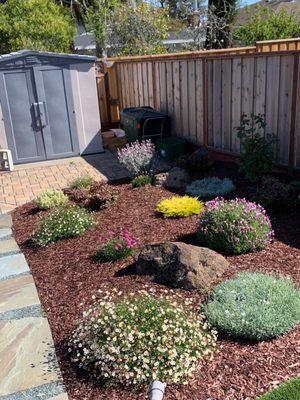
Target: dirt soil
(66,277)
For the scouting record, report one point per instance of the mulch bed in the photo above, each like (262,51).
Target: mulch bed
(66,277)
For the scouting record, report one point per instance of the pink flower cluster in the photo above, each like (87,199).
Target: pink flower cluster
(129,239)
(125,237)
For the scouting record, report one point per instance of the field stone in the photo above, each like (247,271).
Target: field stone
(176,178)
(181,265)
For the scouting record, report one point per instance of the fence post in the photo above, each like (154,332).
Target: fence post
(293,115)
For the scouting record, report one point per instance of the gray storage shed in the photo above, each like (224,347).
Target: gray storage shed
(48,106)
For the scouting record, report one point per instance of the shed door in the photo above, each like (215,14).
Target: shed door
(17,96)
(57,114)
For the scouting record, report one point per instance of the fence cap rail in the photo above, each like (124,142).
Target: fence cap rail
(262,42)
(185,54)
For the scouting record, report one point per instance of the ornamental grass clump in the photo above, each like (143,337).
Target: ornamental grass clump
(254,306)
(138,158)
(141,180)
(235,226)
(116,247)
(180,206)
(131,340)
(83,182)
(64,222)
(210,187)
(51,198)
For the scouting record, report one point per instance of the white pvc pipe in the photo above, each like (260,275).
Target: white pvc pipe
(157,390)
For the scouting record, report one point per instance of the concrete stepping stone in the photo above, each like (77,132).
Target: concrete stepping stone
(49,391)
(8,247)
(5,221)
(13,265)
(18,293)
(27,356)
(62,396)
(5,233)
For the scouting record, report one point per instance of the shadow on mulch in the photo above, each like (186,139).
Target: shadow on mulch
(126,271)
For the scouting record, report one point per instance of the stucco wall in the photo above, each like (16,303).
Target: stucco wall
(86,108)
(3,143)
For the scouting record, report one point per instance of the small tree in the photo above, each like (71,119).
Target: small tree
(267,24)
(136,31)
(221,15)
(97,18)
(35,25)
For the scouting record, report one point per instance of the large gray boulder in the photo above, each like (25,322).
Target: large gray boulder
(176,178)
(181,265)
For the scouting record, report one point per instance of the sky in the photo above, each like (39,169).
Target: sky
(248,1)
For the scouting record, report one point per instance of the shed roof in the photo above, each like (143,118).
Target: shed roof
(22,53)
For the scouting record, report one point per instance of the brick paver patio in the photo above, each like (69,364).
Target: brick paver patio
(29,180)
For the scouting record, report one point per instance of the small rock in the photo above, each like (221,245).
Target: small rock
(181,265)
(176,178)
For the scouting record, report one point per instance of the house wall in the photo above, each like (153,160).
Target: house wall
(86,107)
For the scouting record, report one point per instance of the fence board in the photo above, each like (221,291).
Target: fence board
(217,104)
(236,105)
(272,97)
(226,104)
(192,101)
(163,87)
(247,85)
(177,107)
(284,117)
(209,105)
(184,99)
(150,84)
(199,102)
(260,86)
(170,89)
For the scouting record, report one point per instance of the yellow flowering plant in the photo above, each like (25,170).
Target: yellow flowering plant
(180,206)
(133,339)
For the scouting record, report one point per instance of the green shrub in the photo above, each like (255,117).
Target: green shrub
(83,182)
(180,206)
(51,198)
(141,180)
(196,163)
(134,339)
(64,222)
(258,154)
(254,306)
(235,226)
(210,187)
(289,390)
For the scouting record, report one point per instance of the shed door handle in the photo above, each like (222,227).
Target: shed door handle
(40,114)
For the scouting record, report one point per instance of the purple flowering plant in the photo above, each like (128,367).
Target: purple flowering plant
(116,246)
(235,227)
(138,157)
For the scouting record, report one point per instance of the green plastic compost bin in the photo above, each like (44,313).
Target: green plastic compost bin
(142,123)
(171,148)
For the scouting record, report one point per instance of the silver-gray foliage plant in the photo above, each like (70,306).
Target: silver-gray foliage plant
(138,157)
(210,187)
(254,306)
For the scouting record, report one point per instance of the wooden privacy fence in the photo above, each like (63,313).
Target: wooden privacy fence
(206,93)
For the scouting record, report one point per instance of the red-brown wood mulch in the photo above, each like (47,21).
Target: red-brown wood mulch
(66,276)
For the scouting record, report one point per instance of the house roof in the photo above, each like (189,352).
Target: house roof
(292,6)
(22,53)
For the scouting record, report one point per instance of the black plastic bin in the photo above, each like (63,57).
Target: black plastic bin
(141,123)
